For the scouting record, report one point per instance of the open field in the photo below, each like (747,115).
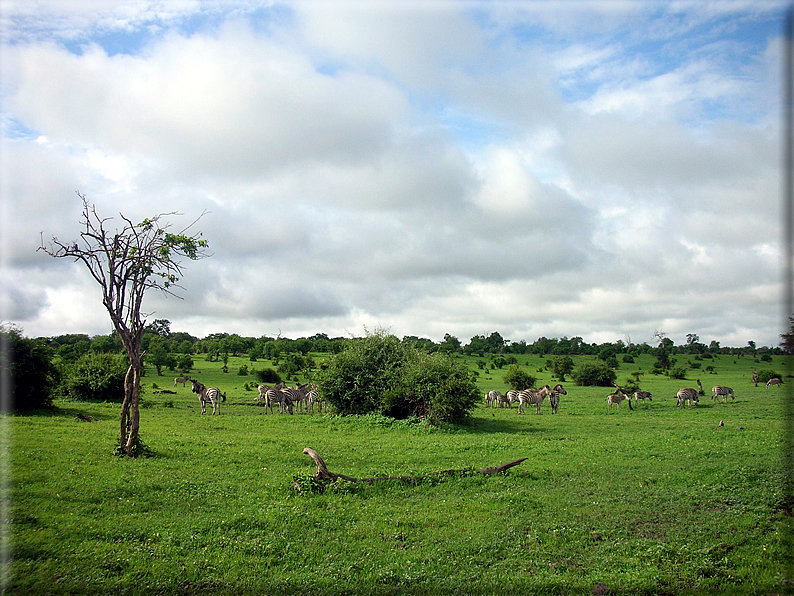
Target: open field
(659,500)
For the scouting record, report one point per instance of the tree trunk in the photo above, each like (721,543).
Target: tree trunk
(129,421)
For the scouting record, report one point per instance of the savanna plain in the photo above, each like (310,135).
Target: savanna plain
(657,500)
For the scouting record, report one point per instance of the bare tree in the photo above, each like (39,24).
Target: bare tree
(126,263)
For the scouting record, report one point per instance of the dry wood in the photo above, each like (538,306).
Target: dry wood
(158,391)
(81,416)
(325,475)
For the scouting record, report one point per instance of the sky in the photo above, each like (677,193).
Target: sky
(604,169)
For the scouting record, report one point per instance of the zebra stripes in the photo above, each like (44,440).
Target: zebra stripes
(643,395)
(774,381)
(530,397)
(616,398)
(208,395)
(687,395)
(719,390)
(554,396)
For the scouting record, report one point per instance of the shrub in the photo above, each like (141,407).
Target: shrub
(184,362)
(268,375)
(355,380)
(628,358)
(594,373)
(96,376)
(678,372)
(380,374)
(431,386)
(31,371)
(517,379)
(765,375)
(561,366)
(243,370)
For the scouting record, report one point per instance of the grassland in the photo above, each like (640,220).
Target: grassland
(660,500)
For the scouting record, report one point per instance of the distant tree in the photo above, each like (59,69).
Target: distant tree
(594,373)
(126,263)
(450,344)
(518,379)
(159,354)
(562,366)
(161,327)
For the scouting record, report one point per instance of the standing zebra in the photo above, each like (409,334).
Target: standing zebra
(774,381)
(718,390)
(312,397)
(492,397)
(182,380)
(643,395)
(688,395)
(755,379)
(297,395)
(530,396)
(554,396)
(616,398)
(700,387)
(276,395)
(208,395)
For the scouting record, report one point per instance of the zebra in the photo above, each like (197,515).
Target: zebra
(275,394)
(503,399)
(688,395)
(530,396)
(492,397)
(617,397)
(211,395)
(755,379)
(643,395)
(262,389)
(512,396)
(700,387)
(554,396)
(718,390)
(297,395)
(313,397)
(774,381)
(182,380)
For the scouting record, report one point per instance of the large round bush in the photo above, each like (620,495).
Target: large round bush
(96,376)
(594,374)
(381,374)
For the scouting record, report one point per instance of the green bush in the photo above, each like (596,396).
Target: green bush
(594,374)
(628,358)
(517,379)
(380,374)
(96,376)
(678,372)
(32,374)
(433,387)
(765,375)
(243,370)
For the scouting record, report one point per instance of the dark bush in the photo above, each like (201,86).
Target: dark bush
(765,375)
(594,373)
(268,375)
(628,359)
(30,370)
(96,377)
(517,379)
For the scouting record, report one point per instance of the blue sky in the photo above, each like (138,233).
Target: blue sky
(600,169)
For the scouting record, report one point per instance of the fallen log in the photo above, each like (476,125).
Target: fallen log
(85,417)
(160,391)
(323,475)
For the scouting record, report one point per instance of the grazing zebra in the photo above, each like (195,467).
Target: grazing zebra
(616,398)
(211,395)
(492,397)
(643,395)
(263,393)
(774,381)
(688,395)
(530,396)
(276,395)
(554,396)
(512,396)
(182,380)
(504,399)
(297,395)
(718,390)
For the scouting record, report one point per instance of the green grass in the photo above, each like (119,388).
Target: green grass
(656,501)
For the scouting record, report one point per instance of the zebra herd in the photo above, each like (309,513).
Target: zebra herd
(305,397)
(526,397)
